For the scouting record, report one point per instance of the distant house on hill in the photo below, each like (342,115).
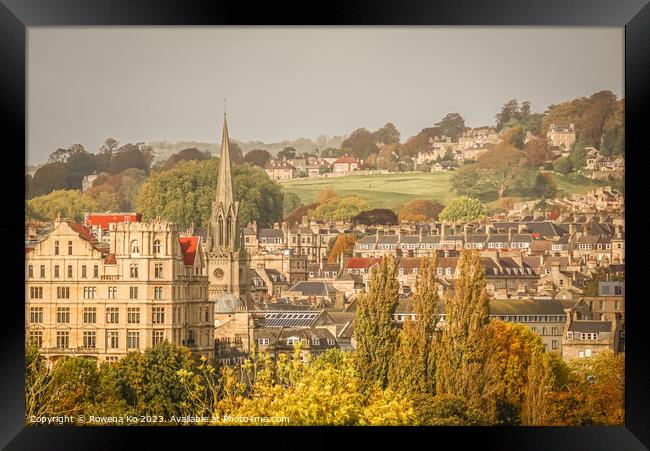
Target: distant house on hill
(280,170)
(563,137)
(346,164)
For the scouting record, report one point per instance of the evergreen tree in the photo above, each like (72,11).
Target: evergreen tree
(414,368)
(465,366)
(375,335)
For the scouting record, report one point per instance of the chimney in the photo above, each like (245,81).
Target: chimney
(510,233)
(442,230)
(489,228)
(466,232)
(572,229)
(522,228)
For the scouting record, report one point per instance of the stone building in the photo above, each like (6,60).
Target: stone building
(562,137)
(149,285)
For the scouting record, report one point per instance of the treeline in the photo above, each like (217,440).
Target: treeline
(476,371)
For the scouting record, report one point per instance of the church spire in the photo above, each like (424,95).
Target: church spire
(224,184)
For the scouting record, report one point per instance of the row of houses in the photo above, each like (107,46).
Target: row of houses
(310,166)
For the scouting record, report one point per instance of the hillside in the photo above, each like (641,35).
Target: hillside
(393,190)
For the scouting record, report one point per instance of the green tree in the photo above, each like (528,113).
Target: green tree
(462,209)
(70,203)
(375,335)
(465,366)
(499,167)
(341,208)
(388,134)
(287,153)
(376,216)
(452,125)
(415,363)
(257,157)
(562,165)
(545,187)
(191,153)
(49,177)
(184,194)
(148,381)
(360,144)
(290,202)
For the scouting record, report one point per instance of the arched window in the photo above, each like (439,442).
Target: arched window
(135,247)
(156,247)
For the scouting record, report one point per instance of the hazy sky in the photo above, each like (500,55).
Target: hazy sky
(168,83)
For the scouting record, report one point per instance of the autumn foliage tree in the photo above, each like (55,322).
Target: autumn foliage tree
(420,210)
(344,244)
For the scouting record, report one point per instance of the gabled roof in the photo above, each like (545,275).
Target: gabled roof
(346,160)
(590,326)
(270,233)
(361,263)
(85,234)
(189,245)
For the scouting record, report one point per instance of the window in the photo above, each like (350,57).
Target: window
(157,336)
(158,270)
(30,271)
(553,330)
(56,248)
(62,339)
(157,292)
(133,315)
(263,341)
(133,270)
(83,271)
(292,340)
(156,247)
(90,292)
(207,314)
(158,315)
(63,292)
(70,271)
(554,344)
(90,315)
(112,339)
(331,341)
(89,339)
(569,335)
(42,271)
(63,315)
(135,247)
(587,352)
(112,315)
(133,292)
(112,292)
(602,305)
(36,292)
(56,271)
(133,339)
(36,338)
(543,330)
(96,271)
(617,305)
(36,315)
(69,247)
(315,341)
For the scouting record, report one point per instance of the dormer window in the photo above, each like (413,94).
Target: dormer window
(135,247)
(156,247)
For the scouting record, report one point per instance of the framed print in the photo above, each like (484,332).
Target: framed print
(409,219)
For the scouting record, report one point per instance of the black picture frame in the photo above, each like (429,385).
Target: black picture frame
(634,15)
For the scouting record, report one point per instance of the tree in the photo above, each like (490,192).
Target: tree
(419,142)
(131,156)
(344,244)
(236,154)
(578,156)
(499,167)
(545,187)
(296,215)
(415,364)
(538,390)
(562,165)
(69,203)
(462,209)
(49,177)
(420,210)
(388,134)
(287,153)
(148,381)
(376,216)
(452,125)
(508,111)
(537,152)
(465,366)
(191,153)
(360,144)
(290,202)
(257,157)
(375,335)
(79,165)
(466,181)
(184,194)
(341,208)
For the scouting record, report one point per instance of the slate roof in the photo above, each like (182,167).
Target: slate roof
(311,288)
(590,326)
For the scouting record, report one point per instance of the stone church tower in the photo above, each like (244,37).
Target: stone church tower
(227,261)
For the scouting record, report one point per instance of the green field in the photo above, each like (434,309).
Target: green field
(392,190)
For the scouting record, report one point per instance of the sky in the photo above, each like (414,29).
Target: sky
(146,84)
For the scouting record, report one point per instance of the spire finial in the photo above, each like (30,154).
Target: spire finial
(224,107)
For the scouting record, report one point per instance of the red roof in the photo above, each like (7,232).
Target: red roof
(189,245)
(552,215)
(104,219)
(346,160)
(361,262)
(85,234)
(110,259)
